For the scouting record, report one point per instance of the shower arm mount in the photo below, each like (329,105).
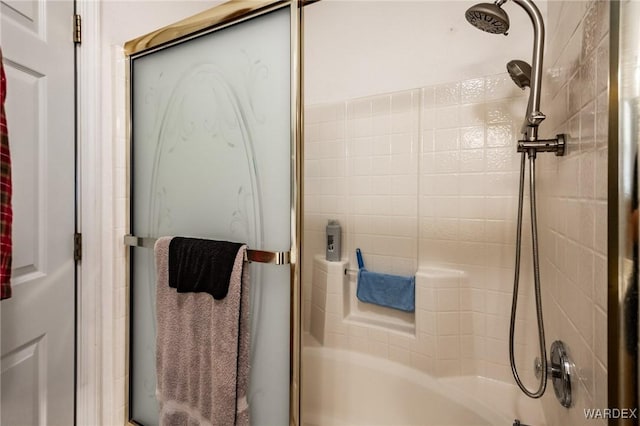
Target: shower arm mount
(557,145)
(534,116)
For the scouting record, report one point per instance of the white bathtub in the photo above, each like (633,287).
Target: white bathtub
(348,388)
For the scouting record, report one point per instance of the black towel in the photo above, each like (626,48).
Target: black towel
(197,265)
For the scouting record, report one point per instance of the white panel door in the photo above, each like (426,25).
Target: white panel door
(37,350)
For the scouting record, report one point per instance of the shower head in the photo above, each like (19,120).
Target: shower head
(520,73)
(489,17)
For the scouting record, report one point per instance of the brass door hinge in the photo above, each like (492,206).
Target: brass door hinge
(77,29)
(77,246)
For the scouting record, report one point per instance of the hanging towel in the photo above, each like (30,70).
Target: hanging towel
(6,213)
(197,265)
(202,349)
(392,291)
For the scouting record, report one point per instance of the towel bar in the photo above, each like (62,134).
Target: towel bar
(260,256)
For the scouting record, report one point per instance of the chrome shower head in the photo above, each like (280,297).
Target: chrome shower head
(489,17)
(520,73)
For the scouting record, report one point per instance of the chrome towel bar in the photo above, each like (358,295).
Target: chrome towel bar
(260,256)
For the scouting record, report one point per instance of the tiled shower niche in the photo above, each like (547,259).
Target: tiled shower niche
(423,180)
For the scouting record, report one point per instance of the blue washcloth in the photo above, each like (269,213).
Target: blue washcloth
(392,291)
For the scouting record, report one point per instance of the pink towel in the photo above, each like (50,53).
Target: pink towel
(6,213)
(202,350)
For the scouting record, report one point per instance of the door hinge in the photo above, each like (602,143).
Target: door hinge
(77,246)
(77,29)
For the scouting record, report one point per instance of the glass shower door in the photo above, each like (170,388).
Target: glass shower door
(211,158)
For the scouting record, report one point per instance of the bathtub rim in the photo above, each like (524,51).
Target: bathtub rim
(413,375)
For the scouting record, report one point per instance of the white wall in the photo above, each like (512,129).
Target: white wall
(361,48)
(125,20)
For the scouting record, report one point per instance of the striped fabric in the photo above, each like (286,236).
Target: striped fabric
(6,214)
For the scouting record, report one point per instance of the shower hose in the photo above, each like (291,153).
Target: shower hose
(536,275)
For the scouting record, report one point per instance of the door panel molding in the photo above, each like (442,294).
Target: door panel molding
(29,169)
(26,14)
(16,375)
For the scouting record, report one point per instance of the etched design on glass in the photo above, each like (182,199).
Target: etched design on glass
(240,221)
(206,125)
(206,121)
(255,71)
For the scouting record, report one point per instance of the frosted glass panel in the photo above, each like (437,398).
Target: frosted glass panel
(211,158)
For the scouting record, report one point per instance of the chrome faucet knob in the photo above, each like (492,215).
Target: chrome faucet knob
(537,367)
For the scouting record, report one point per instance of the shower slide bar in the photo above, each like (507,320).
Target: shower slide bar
(260,256)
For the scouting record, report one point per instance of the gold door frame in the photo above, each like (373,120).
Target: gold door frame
(211,20)
(622,390)
(615,347)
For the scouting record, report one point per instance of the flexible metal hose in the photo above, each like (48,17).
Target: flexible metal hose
(536,275)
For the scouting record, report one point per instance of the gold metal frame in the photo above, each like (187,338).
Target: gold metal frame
(228,13)
(614,310)
(297,132)
(127,320)
(622,367)
(219,17)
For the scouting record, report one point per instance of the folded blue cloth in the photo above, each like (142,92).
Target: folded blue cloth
(392,291)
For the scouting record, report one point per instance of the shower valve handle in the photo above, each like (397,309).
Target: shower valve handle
(560,369)
(537,367)
(553,370)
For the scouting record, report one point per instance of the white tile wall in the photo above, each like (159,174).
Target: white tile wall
(434,345)
(325,195)
(426,178)
(573,198)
